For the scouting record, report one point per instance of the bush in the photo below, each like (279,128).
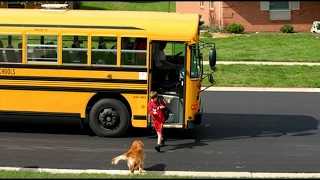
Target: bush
(286,29)
(206,34)
(235,28)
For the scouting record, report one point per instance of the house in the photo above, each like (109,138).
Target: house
(255,16)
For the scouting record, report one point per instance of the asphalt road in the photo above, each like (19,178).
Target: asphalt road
(241,132)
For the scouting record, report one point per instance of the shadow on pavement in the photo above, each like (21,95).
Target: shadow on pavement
(214,127)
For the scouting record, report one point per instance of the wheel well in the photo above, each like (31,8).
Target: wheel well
(99,96)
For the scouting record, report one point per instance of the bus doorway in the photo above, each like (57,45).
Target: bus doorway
(169,83)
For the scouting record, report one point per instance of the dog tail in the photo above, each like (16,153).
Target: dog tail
(115,160)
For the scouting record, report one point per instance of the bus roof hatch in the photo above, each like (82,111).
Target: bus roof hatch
(54,7)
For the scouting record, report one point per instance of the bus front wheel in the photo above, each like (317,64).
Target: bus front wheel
(109,118)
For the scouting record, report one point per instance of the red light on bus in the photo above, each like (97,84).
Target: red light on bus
(194,106)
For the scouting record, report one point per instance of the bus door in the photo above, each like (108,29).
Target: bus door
(170,83)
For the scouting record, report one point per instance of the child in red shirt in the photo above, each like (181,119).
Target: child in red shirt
(156,112)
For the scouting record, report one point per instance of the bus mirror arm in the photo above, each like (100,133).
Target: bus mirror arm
(210,79)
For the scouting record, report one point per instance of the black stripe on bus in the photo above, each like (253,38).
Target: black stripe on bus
(139,117)
(71,26)
(47,114)
(71,67)
(45,78)
(72,89)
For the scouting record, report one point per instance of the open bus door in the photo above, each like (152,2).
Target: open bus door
(170,86)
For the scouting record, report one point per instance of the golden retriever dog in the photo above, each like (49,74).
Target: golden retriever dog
(134,157)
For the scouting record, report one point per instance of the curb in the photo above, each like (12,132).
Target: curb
(177,173)
(264,63)
(267,89)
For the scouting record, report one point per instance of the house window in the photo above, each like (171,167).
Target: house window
(211,5)
(201,4)
(279,10)
(279,5)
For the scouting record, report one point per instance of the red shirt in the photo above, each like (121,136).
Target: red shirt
(153,107)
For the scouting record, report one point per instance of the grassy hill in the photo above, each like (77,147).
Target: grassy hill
(160,6)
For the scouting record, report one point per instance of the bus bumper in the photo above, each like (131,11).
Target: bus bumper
(196,121)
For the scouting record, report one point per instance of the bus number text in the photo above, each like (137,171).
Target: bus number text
(9,71)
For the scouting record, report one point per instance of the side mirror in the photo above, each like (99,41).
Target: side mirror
(213,58)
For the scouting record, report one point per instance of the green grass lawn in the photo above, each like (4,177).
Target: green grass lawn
(239,75)
(299,47)
(47,175)
(160,6)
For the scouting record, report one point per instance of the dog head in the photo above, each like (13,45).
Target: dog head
(137,143)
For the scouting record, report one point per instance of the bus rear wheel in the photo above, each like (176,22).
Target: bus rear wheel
(109,118)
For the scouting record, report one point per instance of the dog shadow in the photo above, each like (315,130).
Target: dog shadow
(157,167)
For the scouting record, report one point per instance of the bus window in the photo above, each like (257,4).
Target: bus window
(140,48)
(74,49)
(126,51)
(101,52)
(133,51)
(9,48)
(42,48)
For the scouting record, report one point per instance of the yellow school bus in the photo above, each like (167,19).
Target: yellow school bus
(90,64)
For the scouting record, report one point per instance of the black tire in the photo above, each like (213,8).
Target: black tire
(109,118)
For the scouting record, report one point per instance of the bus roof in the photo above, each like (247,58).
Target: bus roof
(156,25)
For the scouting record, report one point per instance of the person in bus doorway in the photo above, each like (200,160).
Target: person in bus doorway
(158,118)
(161,62)
(160,58)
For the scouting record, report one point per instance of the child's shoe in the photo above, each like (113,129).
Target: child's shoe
(162,142)
(157,147)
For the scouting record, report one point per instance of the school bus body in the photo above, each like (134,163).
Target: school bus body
(66,89)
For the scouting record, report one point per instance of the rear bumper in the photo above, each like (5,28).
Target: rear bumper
(198,117)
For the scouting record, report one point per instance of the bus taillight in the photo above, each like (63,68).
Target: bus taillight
(194,106)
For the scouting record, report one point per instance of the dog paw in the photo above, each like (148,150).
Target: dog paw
(113,161)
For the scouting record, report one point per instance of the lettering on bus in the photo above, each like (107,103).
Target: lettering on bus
(8,71)
(139,97)
(42,30)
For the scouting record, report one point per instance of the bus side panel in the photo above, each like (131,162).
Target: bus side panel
(44,101)
(139,109)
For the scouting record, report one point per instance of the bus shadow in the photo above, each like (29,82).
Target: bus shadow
(231,126)
(214,127)
(56,125)
(45,125)
(218,127)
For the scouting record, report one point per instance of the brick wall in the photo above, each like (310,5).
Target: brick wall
(248,14)
(194,7)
